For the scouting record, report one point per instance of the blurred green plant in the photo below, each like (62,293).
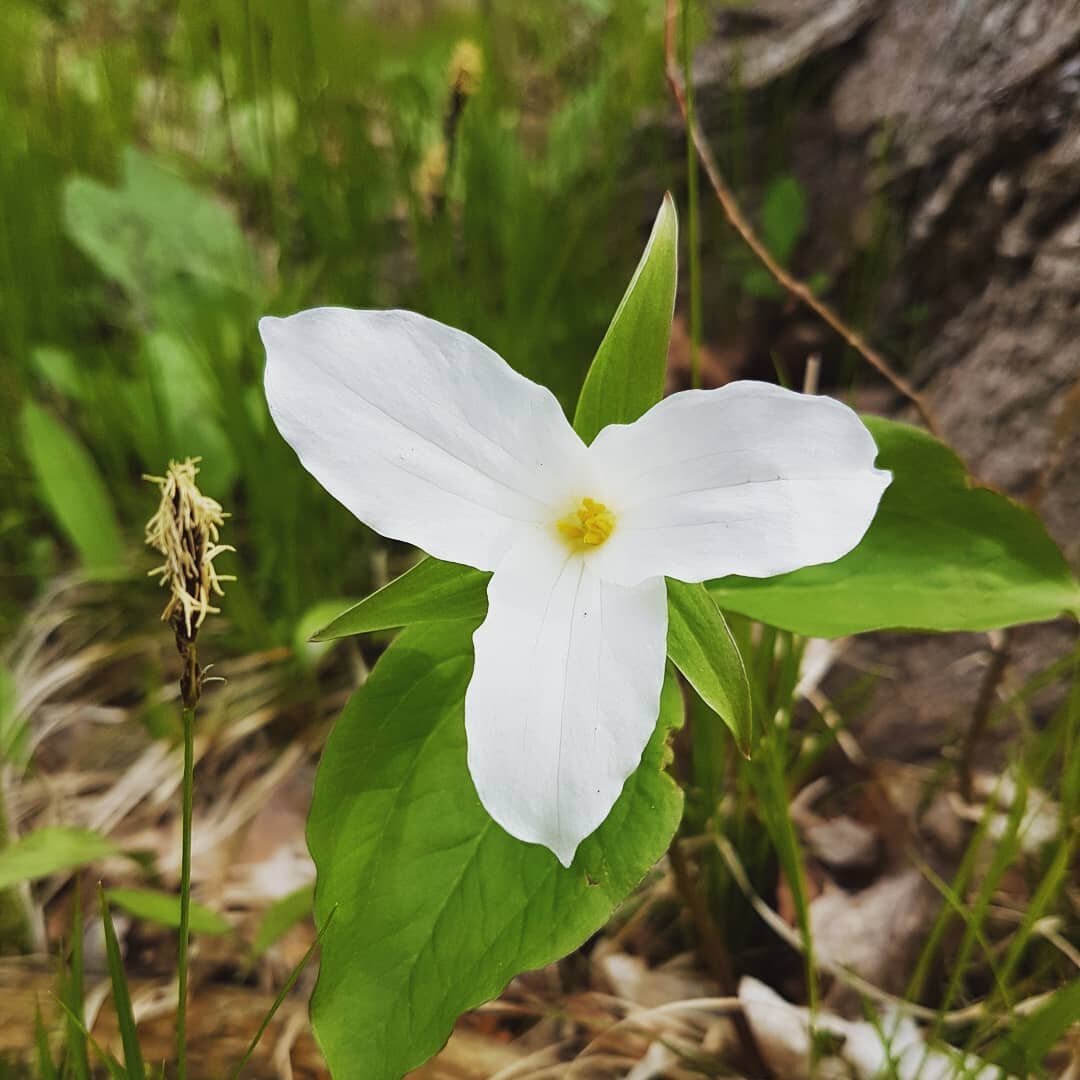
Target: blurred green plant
(354,151)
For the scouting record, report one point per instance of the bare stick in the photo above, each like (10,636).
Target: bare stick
(739,223)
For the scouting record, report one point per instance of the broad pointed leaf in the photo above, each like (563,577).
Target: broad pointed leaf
(626,377)
(431,591)
(435,908)
(701,646)
(942,554)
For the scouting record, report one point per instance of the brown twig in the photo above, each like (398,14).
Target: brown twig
(738,222)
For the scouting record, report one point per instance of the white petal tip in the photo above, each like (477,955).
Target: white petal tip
(564,855)
(269,325)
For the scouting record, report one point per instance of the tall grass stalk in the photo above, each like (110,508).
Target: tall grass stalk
(185,531)
(185,892)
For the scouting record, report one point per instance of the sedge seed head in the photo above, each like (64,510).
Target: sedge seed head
(466,68)
(185,532)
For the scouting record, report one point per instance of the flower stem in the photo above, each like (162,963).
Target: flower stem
(185,892)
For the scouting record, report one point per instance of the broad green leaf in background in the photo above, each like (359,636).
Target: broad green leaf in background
(435,907)
(281,916)
(701,647)
(72,489)
(783,219)
(164,909)
(160,238)
(59,370)
(626,377)
(189,410)
(783,216)
(941,554)
(431,591)
(49,851)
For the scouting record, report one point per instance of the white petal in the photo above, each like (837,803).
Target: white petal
(565,692)
(422,431)
(748,479)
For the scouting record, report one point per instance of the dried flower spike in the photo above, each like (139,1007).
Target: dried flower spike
(185,531)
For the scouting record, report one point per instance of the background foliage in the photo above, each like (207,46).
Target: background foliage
(170,172)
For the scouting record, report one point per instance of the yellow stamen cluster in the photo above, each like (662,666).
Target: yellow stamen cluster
(185,531)
(590,524)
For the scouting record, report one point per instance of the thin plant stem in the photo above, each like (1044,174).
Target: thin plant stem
(693,203)
(185,892)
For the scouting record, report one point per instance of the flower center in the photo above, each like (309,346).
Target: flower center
(590,524)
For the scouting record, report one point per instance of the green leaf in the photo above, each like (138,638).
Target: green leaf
(59,370)
(701,646)
(627,374)
(168,244)
(432,591)
(49,851)
(125,1015)
(188,409)
(941,554)
(164,909)
(437,908)
(308,648)
(783,217)
(72,489)
(1022,1051)
(281,916)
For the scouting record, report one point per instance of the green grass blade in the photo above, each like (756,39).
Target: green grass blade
(45,1065)
(281,916)
(77,1056)
(283,993)
(116,1070)
(125,1016)
(1022,1050)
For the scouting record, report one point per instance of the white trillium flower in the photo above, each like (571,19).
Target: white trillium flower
(430,437)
